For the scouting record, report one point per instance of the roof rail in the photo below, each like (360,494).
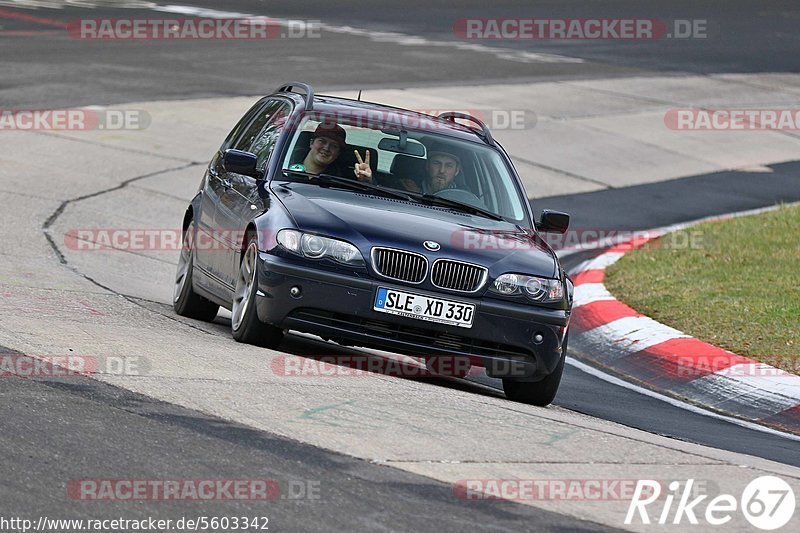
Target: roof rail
(308,96)
(453,115)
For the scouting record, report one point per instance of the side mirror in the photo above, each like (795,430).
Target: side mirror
(240,162)
(553,222)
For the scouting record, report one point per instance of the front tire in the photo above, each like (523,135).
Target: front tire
(245,325)
(185,301)
(541,393)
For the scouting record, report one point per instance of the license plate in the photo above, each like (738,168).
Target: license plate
(424,308)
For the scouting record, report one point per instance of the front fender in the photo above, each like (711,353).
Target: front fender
(191,210)
(269,223)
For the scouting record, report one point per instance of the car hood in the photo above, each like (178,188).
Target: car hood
(367,221)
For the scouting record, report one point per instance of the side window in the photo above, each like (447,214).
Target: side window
(263,132)
(242,124)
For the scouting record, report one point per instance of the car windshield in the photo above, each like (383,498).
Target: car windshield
(422,163)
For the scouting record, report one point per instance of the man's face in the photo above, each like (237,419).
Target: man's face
(324,151)
(442,169)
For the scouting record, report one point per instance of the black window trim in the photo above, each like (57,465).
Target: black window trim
(235,136)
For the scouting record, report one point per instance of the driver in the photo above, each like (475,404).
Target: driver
(442,168)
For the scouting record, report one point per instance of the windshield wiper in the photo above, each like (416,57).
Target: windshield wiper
(354,184)
(461,206)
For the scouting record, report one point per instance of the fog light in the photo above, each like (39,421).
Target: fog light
(538,338)
(295,291)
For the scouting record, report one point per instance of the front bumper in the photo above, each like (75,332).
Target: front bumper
(339,306)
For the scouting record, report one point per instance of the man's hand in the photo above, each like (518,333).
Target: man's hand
(362,169)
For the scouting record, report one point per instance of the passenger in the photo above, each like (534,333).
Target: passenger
(327,143)
(442,167)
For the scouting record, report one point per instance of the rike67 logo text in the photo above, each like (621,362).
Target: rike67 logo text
(767,503)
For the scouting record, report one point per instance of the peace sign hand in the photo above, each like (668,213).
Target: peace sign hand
(362,169)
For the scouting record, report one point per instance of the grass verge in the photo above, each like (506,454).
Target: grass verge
(733,283)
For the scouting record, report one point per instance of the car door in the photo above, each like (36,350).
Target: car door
(208,242)
(240,201)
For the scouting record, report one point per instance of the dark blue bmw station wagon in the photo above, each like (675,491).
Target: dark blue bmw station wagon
(375,226)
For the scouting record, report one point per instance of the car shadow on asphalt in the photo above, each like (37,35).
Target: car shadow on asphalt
(362,362)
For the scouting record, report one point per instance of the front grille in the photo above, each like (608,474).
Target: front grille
(399,265)
(458,276)
(419,336)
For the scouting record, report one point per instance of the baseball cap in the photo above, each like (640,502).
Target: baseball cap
(444,149)
(331,130)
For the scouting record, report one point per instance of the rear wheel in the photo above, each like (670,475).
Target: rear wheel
(245,325)
(185,301)
(541,392)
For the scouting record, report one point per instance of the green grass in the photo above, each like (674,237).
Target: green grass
(737,287)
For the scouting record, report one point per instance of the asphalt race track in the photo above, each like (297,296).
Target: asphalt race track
(383,453)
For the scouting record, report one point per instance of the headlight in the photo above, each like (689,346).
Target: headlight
(316,247)
(290,240)
(312,246)
(538,289)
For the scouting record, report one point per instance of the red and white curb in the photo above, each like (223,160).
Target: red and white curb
(666,360)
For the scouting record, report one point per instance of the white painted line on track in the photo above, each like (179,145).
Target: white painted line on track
(636,333)
(604,261)
(777,386)
(401,39)
(609,241)
(763,376)
(592,371)
(587,293)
